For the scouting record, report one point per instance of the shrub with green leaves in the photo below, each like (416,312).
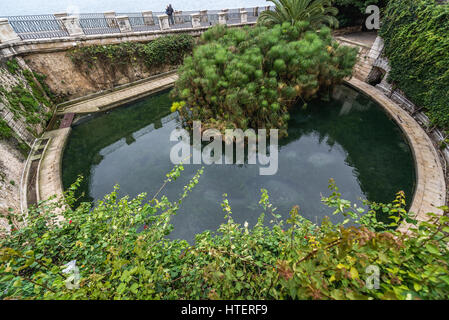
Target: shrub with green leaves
(249,77)
(417,46)
(122,251)
(166,50)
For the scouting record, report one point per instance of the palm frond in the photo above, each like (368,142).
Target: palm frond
(316,12)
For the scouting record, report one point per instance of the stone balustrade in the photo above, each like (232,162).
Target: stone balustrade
(72,25)
(61,25)
(163,22)
(7,33)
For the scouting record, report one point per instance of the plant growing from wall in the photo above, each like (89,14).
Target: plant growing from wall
(28,98)
(166,50)
(5,130)
(248,78)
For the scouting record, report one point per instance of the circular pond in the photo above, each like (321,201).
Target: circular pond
(349,138)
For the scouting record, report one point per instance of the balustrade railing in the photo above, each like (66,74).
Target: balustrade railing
(61,25)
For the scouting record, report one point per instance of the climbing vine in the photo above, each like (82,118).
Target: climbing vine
(417,46)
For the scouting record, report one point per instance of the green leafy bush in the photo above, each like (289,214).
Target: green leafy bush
(248,77)
(122,252)
(417,46)
(27,99)
(161,51)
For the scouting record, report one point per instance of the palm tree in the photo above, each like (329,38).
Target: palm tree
(316,12)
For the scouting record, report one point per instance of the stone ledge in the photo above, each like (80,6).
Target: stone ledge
(25,47)
(108,100)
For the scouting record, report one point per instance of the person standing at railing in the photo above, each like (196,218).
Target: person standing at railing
(169,11)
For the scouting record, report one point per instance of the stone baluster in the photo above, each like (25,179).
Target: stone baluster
(60,15)
(110,19)
(222,17)
(148,19)
(7,33)
(178,17)
(163,22)
(226,11)
(243,17)
(256,11)
(196,20)
(72,25)
(124,24)
(203,15)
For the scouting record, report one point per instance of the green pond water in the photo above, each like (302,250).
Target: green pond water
(349,138)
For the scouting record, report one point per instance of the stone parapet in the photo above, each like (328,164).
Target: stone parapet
(7,33)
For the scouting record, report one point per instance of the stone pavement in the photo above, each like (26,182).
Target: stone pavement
(121,96)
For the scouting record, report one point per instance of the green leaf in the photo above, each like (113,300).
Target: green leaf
(432,249)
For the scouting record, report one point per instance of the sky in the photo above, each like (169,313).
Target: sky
(26,7)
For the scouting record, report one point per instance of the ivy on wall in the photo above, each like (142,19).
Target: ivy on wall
(417,46)
(163,50)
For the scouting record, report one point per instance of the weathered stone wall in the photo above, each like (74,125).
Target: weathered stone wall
(67,81)
(25,115)
(11,167)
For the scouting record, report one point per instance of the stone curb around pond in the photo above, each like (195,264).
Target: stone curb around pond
(430,190)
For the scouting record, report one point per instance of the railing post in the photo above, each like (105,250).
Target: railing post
(148,18)
(72,25)
(123,24)
(222,17)
(256,11)
(226,11)
(110,19)
(243,17)
(196,20)
(178,17)
(7,33)
(163,22)
(60,15)
(203,16)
